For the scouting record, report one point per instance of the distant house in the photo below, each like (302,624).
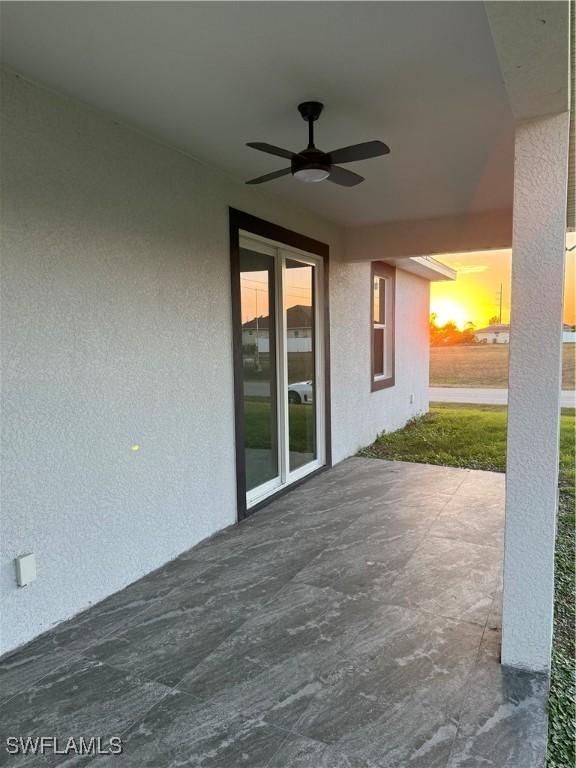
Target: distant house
(493,334)
(298,330)
(500,334)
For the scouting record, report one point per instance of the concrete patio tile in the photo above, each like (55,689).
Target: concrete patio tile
(416,494)
(489,509)
(260,537)
(287,627)
(404,674)
(326,504)
(355,468)
(180,731)
(241,538)
(176,633)
(488,484)
(476,521)
(403,468)
(170,639)
(406,490)
(450,578)
(384,741)
(81,698)
(34,661)
(237,684)
(304,625)
(299,752)
(492,503)
(365,482)
(291,521)
(320,525)
(361,568)
(384,520)
(280,694)
(67,640)
(314,634)
(504,720)
(412,472)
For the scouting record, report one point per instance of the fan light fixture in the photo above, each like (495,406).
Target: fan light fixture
(312,165)
(311,174)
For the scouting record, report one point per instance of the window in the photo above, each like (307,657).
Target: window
(382,325)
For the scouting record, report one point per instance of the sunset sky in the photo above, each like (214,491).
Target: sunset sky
(474,295)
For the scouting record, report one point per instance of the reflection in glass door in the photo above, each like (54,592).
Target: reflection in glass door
(282,365)
(300,362)
(259,369)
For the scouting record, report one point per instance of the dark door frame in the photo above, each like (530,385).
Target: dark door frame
(252,224)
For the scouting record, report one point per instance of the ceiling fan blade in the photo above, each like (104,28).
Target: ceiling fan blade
(271,149)
(270,176)
(343,177)
(359,152)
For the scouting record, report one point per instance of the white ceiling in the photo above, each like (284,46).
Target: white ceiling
(533,44)
(207,77)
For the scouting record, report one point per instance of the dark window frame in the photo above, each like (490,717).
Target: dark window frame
(388,272)
(238,220)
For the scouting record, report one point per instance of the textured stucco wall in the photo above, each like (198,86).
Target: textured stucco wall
(540,184)
(116,332)
(357,413)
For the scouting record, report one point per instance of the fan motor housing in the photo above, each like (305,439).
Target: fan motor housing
(311,158)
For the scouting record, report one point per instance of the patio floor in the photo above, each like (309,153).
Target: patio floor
(353,623)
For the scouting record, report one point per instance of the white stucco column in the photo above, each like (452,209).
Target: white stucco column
(538,244)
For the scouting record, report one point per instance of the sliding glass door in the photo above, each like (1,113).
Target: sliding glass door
(282,365)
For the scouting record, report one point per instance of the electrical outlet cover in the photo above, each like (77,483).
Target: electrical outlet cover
(25,569)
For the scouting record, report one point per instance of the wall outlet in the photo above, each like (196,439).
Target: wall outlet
(25,569)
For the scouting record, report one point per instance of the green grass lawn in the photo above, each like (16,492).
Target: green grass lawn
(257,425)
(475,437)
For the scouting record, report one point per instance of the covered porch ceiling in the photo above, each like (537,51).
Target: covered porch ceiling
(437,81)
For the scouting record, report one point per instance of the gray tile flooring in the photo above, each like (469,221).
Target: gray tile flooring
(353,623)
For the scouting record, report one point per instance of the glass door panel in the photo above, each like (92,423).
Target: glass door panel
(300,344)
(259,369)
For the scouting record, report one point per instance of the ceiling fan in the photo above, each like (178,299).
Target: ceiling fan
(313,165)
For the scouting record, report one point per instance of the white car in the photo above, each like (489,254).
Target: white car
(301,392)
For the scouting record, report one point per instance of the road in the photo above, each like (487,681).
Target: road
(486,396)
(257,388)
(476,395)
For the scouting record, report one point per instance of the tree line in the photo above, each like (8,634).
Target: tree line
(449,334)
